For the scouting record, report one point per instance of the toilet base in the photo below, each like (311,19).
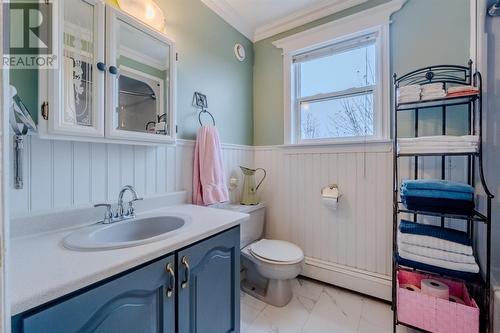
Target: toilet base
(275,292)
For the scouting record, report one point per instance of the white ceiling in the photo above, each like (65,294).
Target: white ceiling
(259,19)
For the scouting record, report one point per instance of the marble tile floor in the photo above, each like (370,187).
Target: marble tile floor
(318,308)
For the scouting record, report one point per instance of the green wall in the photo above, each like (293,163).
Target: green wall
(206,63)
(428,32)
(247,98)
(423,32)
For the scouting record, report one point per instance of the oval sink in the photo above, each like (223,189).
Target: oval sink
(124,234)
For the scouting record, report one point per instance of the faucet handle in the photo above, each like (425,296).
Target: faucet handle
(108,215)
(131,209)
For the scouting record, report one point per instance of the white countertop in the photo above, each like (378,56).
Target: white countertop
(42,269)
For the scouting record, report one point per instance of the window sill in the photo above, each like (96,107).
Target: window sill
(327,144)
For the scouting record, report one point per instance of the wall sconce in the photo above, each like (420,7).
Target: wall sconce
(145,10)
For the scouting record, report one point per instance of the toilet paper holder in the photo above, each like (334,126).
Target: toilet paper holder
(331,192)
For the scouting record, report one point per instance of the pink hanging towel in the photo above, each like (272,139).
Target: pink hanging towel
(209,185)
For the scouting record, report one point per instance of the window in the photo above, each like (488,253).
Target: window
(336,91)
(336,79)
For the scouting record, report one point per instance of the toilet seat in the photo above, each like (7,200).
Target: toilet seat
(276,252)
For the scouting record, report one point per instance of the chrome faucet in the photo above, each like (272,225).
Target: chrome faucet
(108,215)
(130,213)
(120,213)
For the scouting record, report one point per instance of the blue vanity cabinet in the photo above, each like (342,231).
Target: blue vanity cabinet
(138,301)
(195,290)
(208,285)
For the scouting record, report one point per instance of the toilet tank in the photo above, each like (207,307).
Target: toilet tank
(253,228)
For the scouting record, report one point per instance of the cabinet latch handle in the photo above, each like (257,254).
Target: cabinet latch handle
(170,271)
(101,66)
(185,262)
(113,70)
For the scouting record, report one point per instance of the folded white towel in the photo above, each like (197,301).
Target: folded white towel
(406,150)
(436,254)
(443,139)
(439,144)
(432,87)
(410,88)
(409,93)
(462,267)
(434,243)
(426,97)
(409,98)
(416,93)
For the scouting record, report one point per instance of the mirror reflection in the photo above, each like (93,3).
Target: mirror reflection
(143,63)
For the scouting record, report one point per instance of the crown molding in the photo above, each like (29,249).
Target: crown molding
(302,17)
(345,26)
(228,14)
(325,8)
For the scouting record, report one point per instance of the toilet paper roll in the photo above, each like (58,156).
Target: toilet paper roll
(435,288)
(455,299)
(410,287)
(331,203)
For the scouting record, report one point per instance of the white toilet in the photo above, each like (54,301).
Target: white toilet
(267,266)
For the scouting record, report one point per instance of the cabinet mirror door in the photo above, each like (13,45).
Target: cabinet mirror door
(139,81)
(77,87)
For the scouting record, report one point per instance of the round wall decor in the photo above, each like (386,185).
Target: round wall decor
(239,52)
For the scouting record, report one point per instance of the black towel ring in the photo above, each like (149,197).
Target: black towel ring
(205,111)
(200,101)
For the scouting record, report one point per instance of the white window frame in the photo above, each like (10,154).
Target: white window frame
(373,89)
(371,21)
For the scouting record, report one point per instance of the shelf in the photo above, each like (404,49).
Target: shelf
(448,75)
(476,282)
(476,216)
(432,103)
(438,154)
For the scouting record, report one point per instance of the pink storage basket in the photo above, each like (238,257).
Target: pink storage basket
(434,314)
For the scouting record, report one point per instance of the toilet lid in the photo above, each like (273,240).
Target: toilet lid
(277,251)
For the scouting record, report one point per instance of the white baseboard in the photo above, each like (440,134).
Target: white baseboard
(369,283)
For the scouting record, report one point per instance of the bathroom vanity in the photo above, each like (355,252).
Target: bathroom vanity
(188,282)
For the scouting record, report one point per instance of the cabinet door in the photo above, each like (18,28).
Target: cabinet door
(76,89)
(208,284)
(140,79)
(136,302)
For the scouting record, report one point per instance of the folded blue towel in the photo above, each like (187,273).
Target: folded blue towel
(451,235)
(438,270)
(437,184)
(448,206)
(438,194)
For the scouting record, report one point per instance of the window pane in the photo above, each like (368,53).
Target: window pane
(340,117)
(353,68)
(79,63)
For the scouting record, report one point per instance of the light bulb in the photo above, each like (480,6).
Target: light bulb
(145,10)
(150,12)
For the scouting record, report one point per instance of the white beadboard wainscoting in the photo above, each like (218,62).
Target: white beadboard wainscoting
(61,175)
(351,246)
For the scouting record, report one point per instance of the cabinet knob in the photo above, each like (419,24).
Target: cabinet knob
(113,70)
(101,66)
(185,262)
(170,271)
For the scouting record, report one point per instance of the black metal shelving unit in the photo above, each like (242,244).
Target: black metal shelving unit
(456,76)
